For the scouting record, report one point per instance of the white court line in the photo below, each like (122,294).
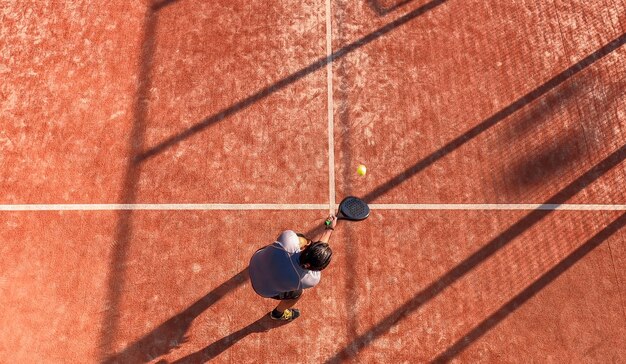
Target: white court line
(331,127)
(295,207)
(161,207)
(538,206)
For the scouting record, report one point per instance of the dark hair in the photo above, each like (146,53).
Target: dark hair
(317,255)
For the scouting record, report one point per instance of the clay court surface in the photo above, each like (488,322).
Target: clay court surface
(149,149)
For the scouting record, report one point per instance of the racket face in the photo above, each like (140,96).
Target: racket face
(353,208)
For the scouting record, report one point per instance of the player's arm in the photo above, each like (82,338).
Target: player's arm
(329,228)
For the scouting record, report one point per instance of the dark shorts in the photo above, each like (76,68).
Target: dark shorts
(288,295)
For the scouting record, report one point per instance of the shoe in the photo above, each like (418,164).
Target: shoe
(290,314)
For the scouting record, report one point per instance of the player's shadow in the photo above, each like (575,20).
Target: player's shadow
(264,324)
(172,333)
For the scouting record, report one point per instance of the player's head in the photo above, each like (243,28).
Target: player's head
(316,256)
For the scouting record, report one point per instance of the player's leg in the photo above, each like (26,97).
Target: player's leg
(284,310)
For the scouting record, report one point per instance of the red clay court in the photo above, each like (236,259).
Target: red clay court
(148,149)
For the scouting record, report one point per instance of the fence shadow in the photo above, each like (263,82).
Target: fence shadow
(284,82)
(382,10)
(432,290)
(530,291)
(123,228)
(495,118)
(469,263)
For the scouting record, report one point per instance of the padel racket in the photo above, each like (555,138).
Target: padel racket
(353,209)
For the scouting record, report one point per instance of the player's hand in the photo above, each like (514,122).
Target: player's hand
(331,221)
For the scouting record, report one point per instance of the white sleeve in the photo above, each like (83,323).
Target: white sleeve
(311,279)
(289,241)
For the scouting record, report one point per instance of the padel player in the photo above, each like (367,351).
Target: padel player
(282,270)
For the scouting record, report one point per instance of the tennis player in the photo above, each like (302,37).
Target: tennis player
(282,270)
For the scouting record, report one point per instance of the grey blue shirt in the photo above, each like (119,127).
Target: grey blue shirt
(276,269)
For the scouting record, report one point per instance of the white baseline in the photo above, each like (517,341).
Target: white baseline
(268,206)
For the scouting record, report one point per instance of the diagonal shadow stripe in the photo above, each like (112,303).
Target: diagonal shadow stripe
(382,10)
(495,118)
(289,80)
(156,6)
(467,265)
(530,291)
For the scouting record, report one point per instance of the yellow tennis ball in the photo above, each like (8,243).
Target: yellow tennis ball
(361,170)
